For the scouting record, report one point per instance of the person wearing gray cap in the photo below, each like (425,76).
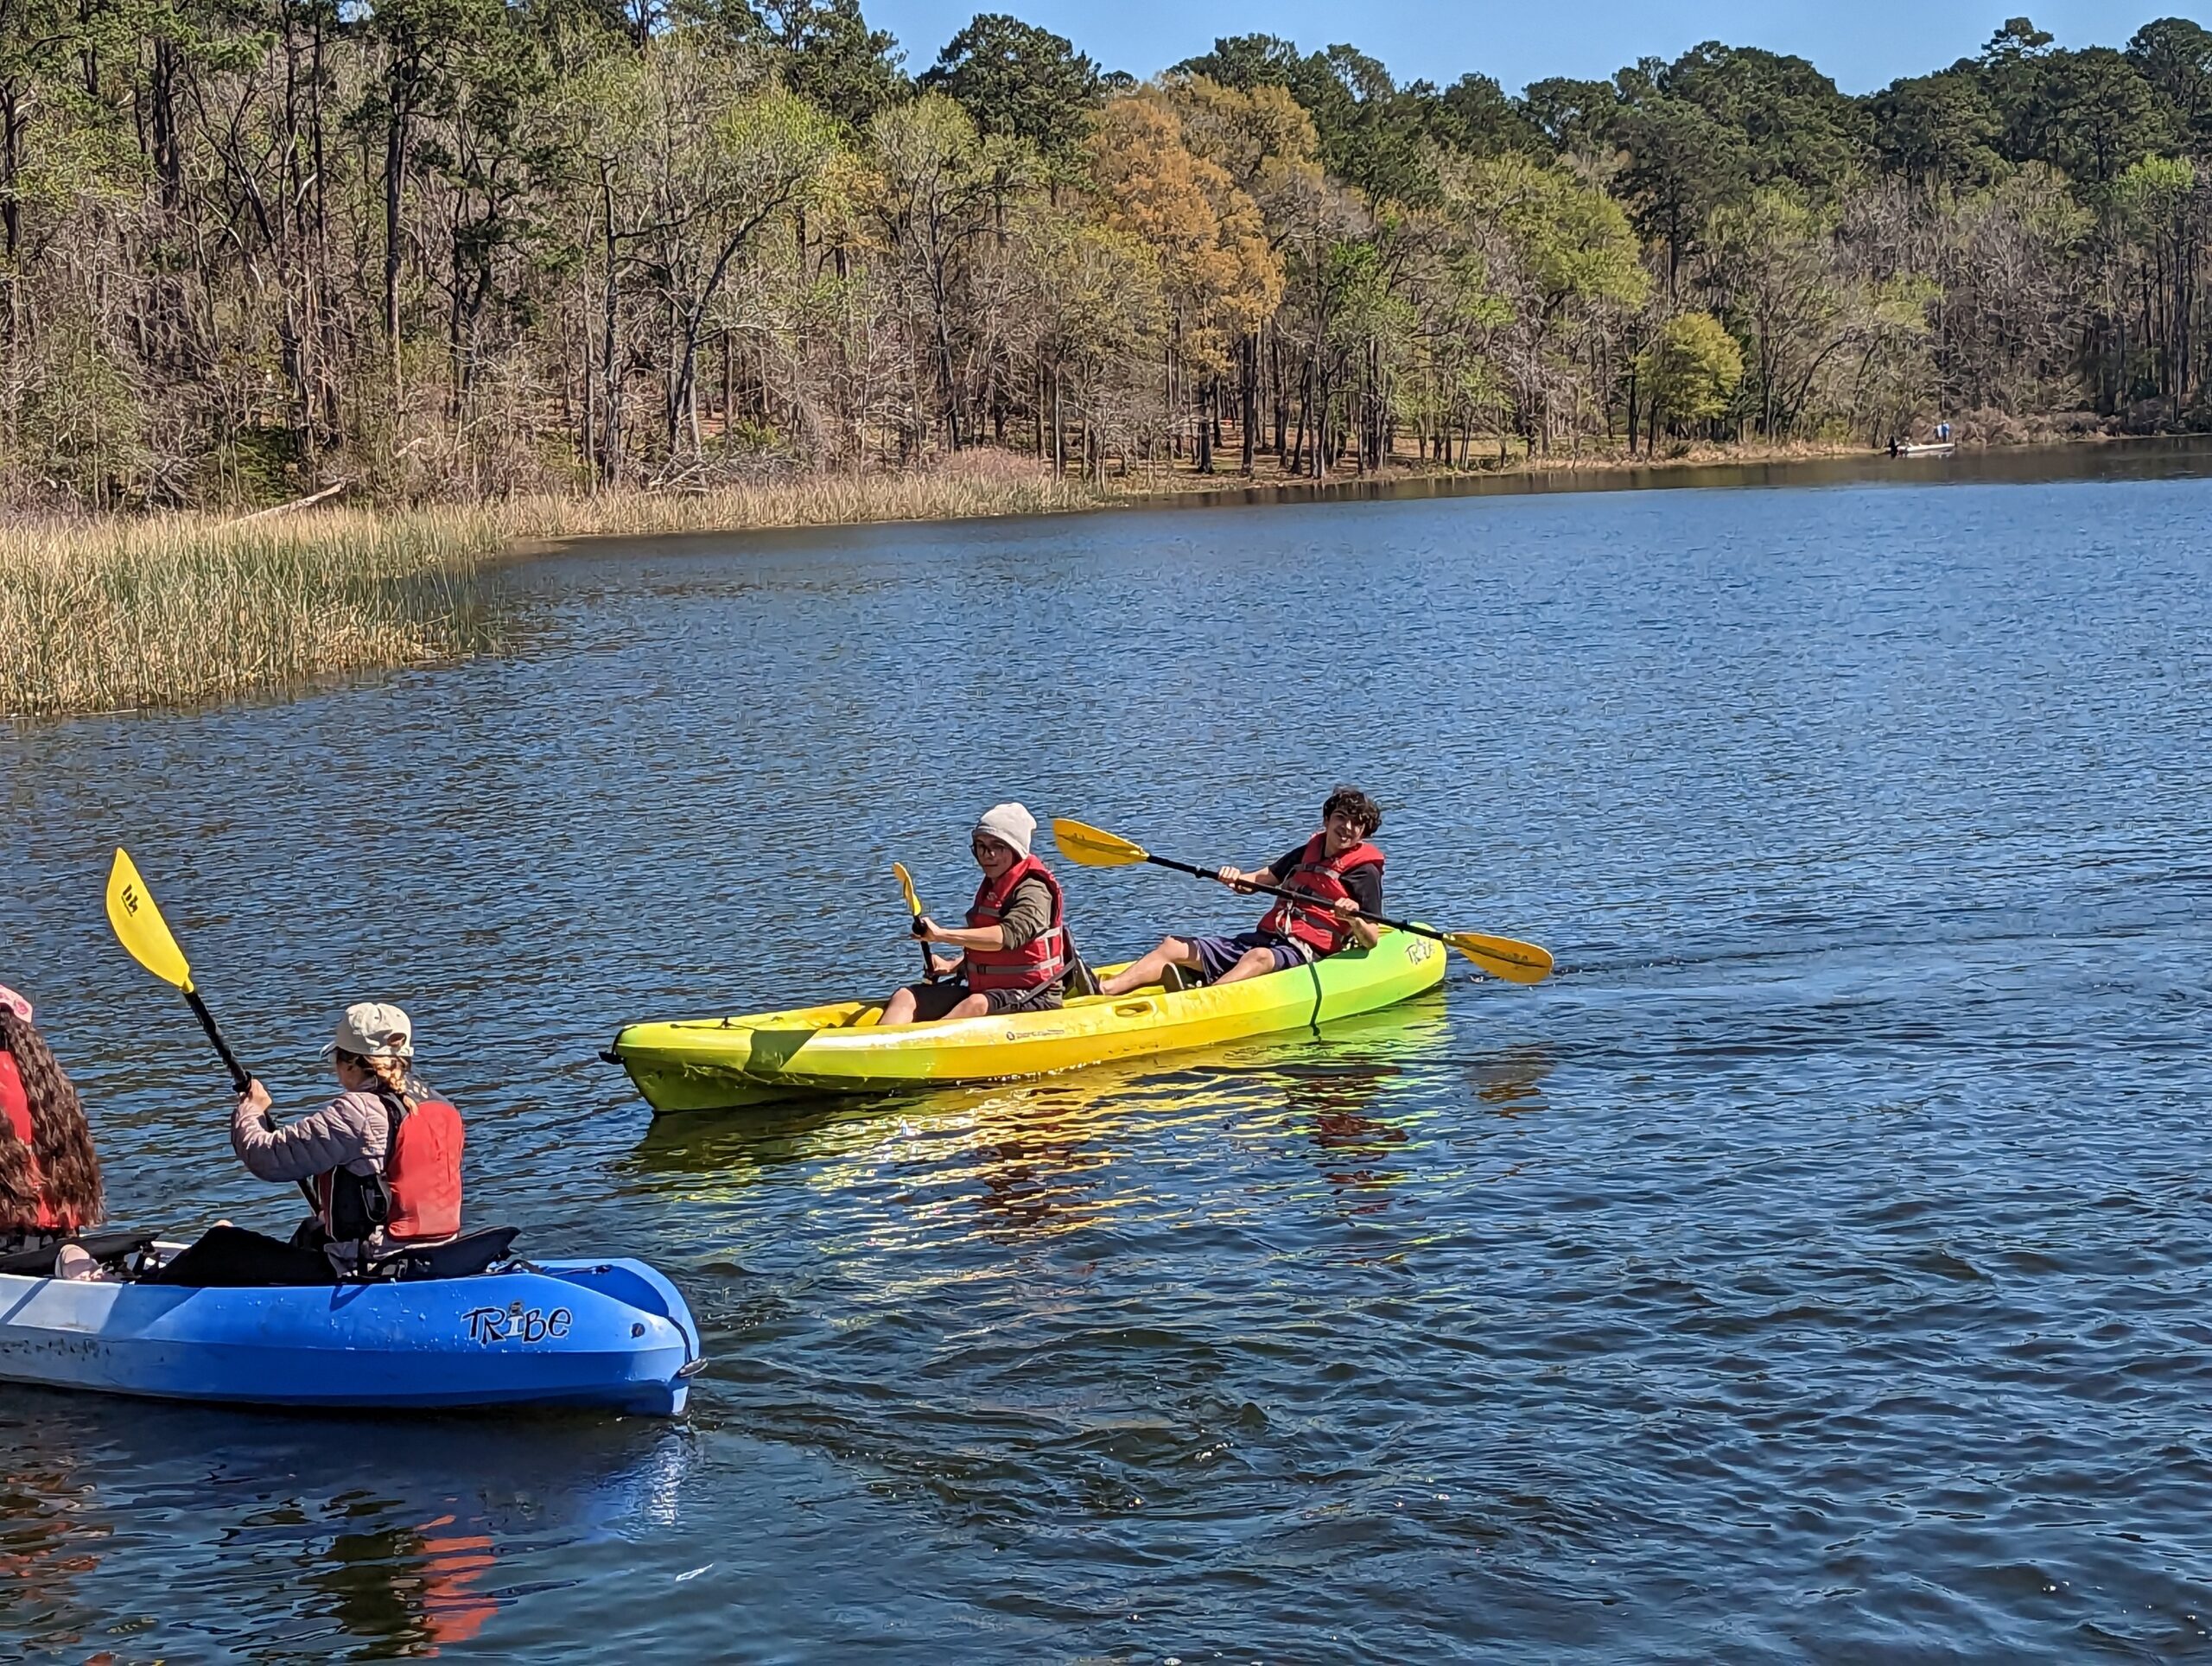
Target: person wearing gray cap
(381,1162)
(1014,951)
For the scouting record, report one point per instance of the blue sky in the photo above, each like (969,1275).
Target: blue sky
(1865,44)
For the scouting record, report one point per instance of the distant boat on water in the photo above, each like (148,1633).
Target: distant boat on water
(1942,445)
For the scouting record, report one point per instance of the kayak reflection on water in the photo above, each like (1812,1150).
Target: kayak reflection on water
(412,1587)
(48,1541)
(354,1546)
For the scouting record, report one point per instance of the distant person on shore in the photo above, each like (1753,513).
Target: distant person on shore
(1015,953)
(1337,868)
(49,1177)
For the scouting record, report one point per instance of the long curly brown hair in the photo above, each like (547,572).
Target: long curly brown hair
(68,1172)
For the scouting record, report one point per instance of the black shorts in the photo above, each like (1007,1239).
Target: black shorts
(933,1001)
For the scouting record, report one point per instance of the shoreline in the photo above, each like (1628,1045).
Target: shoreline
(111,616)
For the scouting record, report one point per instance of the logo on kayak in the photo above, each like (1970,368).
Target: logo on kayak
(1420,950)
(516,1323)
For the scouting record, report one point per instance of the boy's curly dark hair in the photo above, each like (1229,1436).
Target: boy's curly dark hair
(62,1144)
(1357,806)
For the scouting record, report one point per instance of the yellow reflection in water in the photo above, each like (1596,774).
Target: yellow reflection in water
(1041,1158)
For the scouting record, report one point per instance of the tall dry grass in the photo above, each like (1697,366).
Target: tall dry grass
(976,484)
(108,615)
(113,614)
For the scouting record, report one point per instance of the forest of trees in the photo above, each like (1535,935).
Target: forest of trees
(447,248)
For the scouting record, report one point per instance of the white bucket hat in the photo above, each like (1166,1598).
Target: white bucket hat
(373,1029)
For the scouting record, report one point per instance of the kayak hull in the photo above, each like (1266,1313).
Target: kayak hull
(732,1063)
(614,1335)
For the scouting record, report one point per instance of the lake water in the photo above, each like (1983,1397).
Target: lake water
(1817,1266)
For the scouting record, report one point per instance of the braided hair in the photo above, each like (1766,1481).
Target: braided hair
(394,1082)
(62,1144)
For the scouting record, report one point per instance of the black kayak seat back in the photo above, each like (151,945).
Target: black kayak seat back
(108,1248)
(230,1258)
(464,1257)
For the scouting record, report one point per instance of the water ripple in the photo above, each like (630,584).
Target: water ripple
(1814,1268)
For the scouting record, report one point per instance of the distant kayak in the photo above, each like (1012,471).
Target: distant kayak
(720,1064)
(610,1334)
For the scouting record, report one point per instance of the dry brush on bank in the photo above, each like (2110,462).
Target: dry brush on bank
(116,614)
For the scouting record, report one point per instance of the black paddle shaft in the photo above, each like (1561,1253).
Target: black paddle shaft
(239,1079)
(1290,896)
(929,962)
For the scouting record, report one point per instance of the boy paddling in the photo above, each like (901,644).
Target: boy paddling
(1337,868)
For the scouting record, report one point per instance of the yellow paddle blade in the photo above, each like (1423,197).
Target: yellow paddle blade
(1093,847)
(139,925)
(906,884)
(1506,957)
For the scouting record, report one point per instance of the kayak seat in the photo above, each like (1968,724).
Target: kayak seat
(465,1257)
(112,1247)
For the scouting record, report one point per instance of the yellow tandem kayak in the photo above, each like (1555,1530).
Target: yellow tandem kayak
(721,1064)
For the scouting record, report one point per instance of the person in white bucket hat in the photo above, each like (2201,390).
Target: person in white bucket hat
(1014,952)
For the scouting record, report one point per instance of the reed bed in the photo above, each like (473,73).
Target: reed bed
(109,615)
(982,484)
(118,614)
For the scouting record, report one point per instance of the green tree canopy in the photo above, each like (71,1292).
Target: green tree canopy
(1474,115)
(828,55)
(1019,80)
(2174,56)
(1691,370)
(1794,124)
(1939,129)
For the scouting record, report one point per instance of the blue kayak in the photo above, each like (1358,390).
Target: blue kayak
(611,1334)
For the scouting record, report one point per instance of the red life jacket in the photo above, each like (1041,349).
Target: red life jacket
(417,1195)
(1319,875)
(15,1109)
(1040,962)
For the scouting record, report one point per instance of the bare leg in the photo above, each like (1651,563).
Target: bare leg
(899,1010)
(1256,964)
(1138,973)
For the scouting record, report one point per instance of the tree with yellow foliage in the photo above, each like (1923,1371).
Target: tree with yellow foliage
(1221,277)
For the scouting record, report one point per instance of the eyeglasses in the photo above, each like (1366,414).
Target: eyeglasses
(988,847)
